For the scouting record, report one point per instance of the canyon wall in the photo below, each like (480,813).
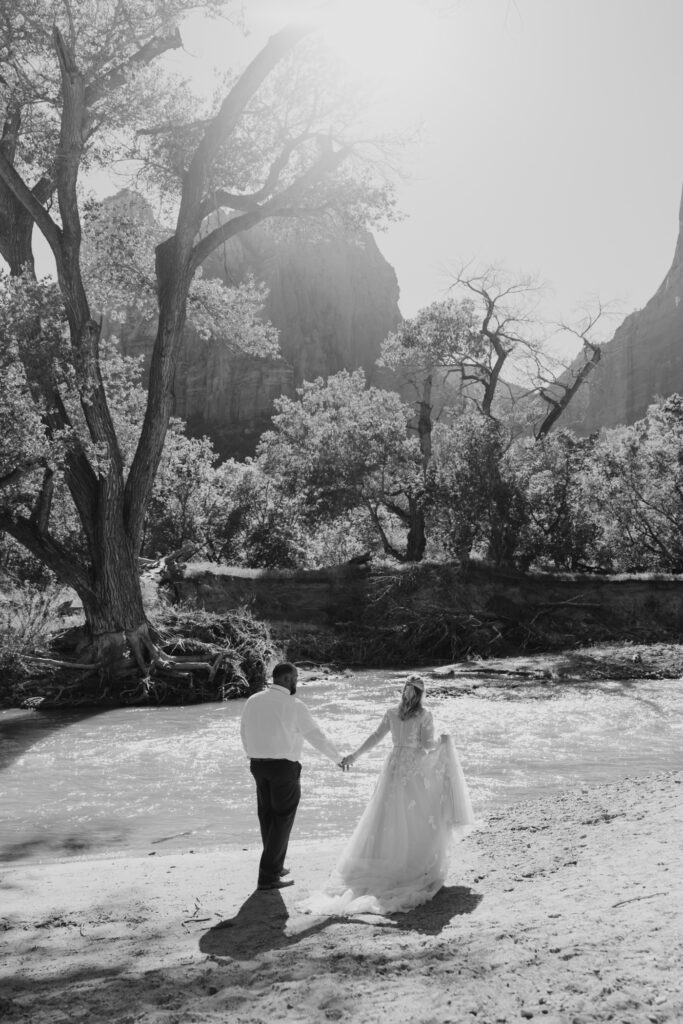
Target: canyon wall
(333,299)
(642,362)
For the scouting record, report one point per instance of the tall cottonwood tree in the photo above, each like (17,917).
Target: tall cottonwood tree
(343,446)
(467,341)
(424,352)
(75,92)
(486,329)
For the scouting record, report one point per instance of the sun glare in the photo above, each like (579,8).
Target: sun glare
(388,40)
(385,42)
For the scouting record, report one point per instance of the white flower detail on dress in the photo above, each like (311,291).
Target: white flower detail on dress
(398,855)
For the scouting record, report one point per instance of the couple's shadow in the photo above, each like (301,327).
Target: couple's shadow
(260,924)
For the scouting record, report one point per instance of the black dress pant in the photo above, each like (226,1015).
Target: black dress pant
(278,792)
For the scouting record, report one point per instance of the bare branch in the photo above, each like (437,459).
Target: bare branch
(70,141)
(49,550)
(592,355)
(221,197)
(172,126)
(565,390)
(590,319)
(10,131)
(20,190)
(275,207)
(223,124)
(118,76)
(40,515)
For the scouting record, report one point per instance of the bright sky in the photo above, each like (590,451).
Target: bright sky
(549,141)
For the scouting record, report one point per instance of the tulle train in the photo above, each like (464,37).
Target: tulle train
(398,855)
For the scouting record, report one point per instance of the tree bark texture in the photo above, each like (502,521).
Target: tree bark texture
(416,541)
(111,507)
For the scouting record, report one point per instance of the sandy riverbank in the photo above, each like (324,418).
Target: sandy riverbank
(567,909)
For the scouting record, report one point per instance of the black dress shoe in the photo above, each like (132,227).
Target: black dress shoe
(281,883)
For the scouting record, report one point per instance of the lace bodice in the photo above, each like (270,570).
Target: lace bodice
(416,732)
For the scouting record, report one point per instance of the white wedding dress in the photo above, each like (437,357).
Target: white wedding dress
(397,857)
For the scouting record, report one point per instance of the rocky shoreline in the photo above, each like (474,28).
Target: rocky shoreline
(564,909)
(581,665)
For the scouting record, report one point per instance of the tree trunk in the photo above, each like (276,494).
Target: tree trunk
(417,539)
(16,222)
(16,231)
(110,503)
(592,355)
(115,617)
(109,587)
(424,422)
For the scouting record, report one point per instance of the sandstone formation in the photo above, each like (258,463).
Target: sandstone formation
(644,360)
(333,298)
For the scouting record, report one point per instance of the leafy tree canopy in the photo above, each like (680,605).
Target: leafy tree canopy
(342,445)
(80,86)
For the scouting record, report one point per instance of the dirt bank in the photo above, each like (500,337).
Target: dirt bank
(381,615)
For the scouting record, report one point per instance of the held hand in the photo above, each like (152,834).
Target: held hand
(346,762)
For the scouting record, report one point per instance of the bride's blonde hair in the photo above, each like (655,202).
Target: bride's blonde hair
(411,698)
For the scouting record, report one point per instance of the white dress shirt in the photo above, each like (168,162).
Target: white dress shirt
(275,724)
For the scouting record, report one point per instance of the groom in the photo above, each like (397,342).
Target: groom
(274,726)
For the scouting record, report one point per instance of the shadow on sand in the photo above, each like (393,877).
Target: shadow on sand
(20,729)
(261,923)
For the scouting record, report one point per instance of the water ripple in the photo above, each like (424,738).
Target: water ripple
(176,778)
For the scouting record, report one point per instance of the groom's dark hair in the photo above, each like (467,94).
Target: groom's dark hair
(284,668)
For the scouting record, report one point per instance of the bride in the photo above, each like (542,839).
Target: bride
(397,857)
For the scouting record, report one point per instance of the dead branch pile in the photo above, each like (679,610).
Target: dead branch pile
(418,615)
(200,656)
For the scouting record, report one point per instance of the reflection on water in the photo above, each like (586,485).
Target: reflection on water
(155,779)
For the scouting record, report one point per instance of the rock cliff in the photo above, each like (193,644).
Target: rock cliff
(333,299)
(643,361)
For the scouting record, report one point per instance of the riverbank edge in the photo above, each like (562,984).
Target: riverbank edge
(626,660)
(377,614)
(563,909)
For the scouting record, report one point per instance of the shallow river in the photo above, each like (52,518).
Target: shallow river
(155,779)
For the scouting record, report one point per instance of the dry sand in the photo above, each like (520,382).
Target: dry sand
(565,909)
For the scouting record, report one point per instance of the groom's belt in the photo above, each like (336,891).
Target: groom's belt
(259,760)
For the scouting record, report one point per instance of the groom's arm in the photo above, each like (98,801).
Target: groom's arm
(314,735)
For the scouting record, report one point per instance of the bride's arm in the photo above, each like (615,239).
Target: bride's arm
(372,740)
(427,731)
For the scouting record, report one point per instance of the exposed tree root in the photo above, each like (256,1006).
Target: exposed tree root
(142,647)
(192,656)
(75,666)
